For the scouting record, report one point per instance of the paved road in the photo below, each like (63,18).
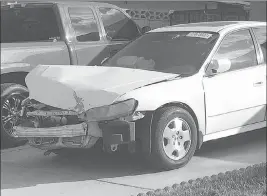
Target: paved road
(25,171)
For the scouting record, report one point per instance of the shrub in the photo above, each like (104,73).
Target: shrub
(250,181)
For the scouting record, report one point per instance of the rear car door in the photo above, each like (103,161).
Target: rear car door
(236,98)
(119,28)
(89,43)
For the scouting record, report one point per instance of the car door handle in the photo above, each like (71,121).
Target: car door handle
(256,84)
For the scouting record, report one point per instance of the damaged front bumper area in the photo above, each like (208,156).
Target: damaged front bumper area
(50,138)
(114,133)
(62,131)
(50,128)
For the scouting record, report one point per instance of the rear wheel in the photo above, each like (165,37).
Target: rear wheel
(11,98)
(174,138)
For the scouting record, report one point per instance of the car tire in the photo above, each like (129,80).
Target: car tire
(166,136)
(10,93)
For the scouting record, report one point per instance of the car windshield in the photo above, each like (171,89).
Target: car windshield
(169,52)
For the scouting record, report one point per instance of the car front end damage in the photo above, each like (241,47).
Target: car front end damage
(85,105)
(49,128)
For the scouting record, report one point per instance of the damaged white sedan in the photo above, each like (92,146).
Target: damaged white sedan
(164,94)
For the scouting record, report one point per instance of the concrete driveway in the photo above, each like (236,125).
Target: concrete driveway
(25,171)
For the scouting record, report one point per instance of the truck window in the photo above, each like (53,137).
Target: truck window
(117,25)
(28,24)
(84,24)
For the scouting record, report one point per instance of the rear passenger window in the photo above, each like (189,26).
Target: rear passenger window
(260,33)
(84,24)
(117,25)
(238,47)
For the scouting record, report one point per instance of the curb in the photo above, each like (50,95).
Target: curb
(169,189)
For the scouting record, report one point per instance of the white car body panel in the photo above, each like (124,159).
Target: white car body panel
(225,104)
(187,90)
(231,132)
(206,26)
(93,85)
(235,98)
(80,88)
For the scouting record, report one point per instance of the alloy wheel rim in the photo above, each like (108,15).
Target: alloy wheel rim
(10,112)
(176,139)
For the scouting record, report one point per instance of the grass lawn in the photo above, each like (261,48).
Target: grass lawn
(244,182)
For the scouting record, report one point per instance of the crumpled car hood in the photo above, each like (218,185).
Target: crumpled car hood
(80,88)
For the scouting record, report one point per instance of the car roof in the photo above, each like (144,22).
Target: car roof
(71,2)
(210,26)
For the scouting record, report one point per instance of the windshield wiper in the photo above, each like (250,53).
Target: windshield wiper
(173,78)
(179,76)
(104,61)
(120,39)
(165,80)
(170,79)
(185,75)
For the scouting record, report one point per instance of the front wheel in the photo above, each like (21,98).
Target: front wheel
(174,138)
(11,98)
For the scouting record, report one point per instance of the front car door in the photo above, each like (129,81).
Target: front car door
(236,98)
(119,28)
(260,34)
(89,43)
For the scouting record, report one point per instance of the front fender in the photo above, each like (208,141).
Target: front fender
(187,91)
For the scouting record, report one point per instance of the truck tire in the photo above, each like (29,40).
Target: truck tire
(174,138)
(11,97)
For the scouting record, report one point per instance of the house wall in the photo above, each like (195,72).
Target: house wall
(258,11)
(156,13)
(165,5)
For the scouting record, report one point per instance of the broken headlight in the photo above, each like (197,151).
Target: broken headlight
(110,112)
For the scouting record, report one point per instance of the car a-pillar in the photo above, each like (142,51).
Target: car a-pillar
(13,91)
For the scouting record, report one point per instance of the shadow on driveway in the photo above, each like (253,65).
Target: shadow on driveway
(235,148)
(29,167)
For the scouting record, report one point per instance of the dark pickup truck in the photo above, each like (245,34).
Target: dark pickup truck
(58,33)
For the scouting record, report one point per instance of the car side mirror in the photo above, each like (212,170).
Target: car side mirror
(218,66)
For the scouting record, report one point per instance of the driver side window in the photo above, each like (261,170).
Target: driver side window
(84,24)
(117,25)
(237,48)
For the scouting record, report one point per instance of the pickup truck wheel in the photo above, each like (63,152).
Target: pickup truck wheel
(11,97)
(174,138)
